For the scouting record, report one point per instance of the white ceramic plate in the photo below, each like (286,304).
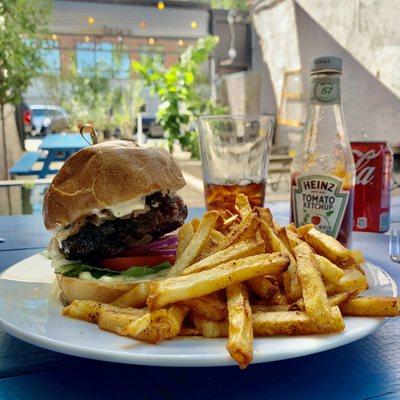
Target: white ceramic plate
(30,310)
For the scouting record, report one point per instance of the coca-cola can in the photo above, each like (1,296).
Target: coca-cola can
(374,162)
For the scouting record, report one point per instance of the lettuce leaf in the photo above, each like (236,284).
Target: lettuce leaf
(142,271)
(73,270)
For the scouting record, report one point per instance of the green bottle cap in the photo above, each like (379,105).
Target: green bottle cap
(326,64)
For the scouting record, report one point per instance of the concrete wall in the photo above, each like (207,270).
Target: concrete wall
(366,34)
(371,109)
(368,29)
(276,29)
(268,100)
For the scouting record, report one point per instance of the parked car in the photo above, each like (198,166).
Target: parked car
(39,120)
(151,128)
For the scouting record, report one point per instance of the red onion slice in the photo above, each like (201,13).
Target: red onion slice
(166,242)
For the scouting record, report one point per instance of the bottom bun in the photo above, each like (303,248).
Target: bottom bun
(81,289)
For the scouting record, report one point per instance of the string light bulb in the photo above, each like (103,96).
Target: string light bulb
(119,38)
(193,24)
(180,42)
(160,5)
(151,41)
(54,36)
(86,38)
(142,25)
(90,20)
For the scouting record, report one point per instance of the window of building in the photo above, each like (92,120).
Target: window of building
(50,53)
(102,59)
(155,53)
(122,64)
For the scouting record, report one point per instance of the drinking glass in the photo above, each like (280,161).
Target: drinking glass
(235,153)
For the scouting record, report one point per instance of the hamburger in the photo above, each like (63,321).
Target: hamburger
(111,209)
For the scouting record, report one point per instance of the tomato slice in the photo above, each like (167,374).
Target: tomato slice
(124,263)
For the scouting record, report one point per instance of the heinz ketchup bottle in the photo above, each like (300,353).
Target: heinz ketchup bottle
(322,172)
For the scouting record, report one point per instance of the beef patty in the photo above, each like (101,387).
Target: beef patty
(167,213)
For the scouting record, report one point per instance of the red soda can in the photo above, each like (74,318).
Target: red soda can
(374,162)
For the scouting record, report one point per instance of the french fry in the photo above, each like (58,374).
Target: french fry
(294,323)
(330,248)
(217,236)
(210,307)
(156,326)
(189,332)
(337,299)
(357,256)
(239,250)
(230,223)
(302,230)
(112,321)
(292,228)
(135,296)
(359,268)
(371,307)
(185,235)
(353,279)
(195,223)
(197,243)
(278,299)
(291,285)
(86,310)
(271,308)
(290,323)
(243,206)
(329,271)
(245,230)
(208,249)
(290,278)
(293,237)
(263,287)
(314,294)
(240,341)
(142,324)
(211,329)
(283,236)
(175,317)
(226,214)
(265,215)
(170,290)
(334,300)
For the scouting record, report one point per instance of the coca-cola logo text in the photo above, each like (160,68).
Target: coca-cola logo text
(364,172)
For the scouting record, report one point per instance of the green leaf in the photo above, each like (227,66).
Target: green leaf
(135,272)
(74,270)
(329,213)
(189,78)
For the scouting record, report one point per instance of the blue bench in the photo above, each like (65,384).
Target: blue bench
(24,165)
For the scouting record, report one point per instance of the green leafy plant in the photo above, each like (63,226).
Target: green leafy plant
(90,98)
(20,52)
(177,89)
(20,55)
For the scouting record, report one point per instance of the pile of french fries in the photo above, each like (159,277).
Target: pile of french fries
(239,276)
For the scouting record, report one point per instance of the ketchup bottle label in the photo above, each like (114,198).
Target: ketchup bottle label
(319,200)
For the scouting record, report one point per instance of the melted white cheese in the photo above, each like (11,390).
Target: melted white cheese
(122,209)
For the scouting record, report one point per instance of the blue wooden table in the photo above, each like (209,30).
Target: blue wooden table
(54,147)
(366,369)
(60,146)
